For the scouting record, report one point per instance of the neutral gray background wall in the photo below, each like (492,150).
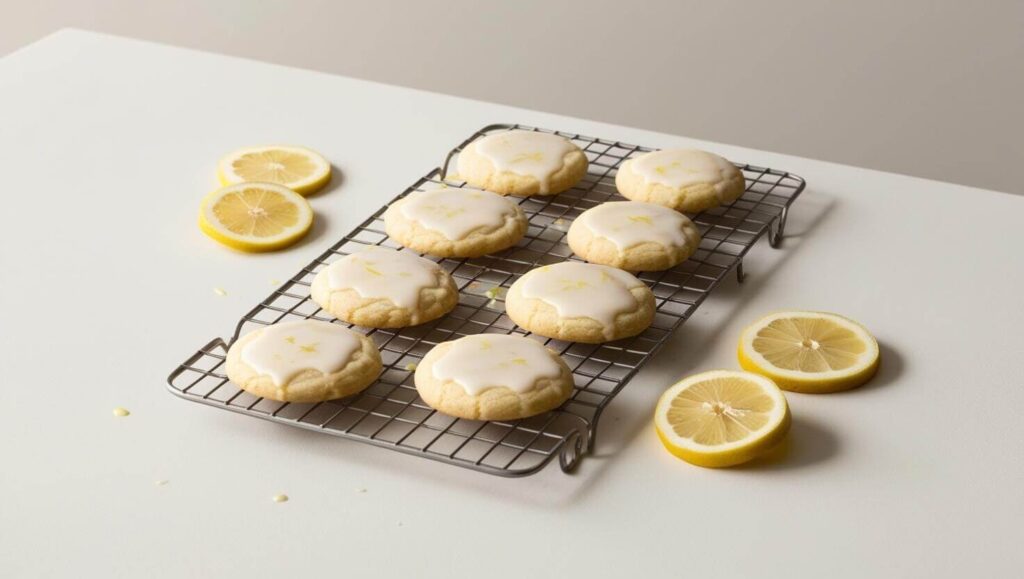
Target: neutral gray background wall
(932,89)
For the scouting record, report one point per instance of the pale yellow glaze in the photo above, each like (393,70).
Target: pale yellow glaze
(530,153)
(283,350)
(384,273)
(485,361)
(682,167)
(583,290)
(629,223)
(456,213)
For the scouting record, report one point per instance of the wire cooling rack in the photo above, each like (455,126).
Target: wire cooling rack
(391,415)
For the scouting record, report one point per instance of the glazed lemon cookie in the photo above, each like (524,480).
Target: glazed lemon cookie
(384,288)
(454,222)
(682,179)
(493,377)
(633,236)
(522,163)
(580,302)
(303,361)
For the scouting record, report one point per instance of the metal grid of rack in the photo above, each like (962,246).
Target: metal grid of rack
(390,414)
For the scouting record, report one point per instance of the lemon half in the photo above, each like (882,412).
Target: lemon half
(255,216)
(722,418)
(298,168)
(813,352)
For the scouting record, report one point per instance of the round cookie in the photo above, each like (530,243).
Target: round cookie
(580,302)
(522,163)
(682,179)
(452,222)
(493,377)
(633,236)
(303,361)
(384,288)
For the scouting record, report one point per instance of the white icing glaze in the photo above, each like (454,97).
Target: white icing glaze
(384,273)
(485,361)
(456,213)
(683,167)
(582,290)
(283,350)
(629,223)
(530,153)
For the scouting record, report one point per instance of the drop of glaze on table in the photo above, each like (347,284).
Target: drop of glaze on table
(530,153)
(283,350)
(582,290)
(485,361)
(384,273)
(683,167)
(630,223)
(456,213)
(121,412)
(280,498)
(220,291)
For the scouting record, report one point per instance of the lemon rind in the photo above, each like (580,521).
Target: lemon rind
(253,244)
(810,382)
(311,184)
(730,453)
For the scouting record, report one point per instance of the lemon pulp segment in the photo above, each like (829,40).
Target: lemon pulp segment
(256,211)
(298,168)
(275,166)
(719,410)
(808,344)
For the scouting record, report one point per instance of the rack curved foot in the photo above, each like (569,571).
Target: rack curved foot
(572,451)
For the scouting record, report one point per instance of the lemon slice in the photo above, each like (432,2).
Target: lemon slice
(255,216)
(809,351)
(721,418)
(298,168)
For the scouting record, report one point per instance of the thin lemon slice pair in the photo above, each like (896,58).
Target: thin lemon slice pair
(255,216)
(812,352)
(722,418)
(725,418)
(298,168)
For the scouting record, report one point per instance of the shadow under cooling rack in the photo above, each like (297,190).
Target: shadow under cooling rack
(391,415)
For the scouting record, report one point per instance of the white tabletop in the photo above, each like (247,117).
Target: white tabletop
(107,145)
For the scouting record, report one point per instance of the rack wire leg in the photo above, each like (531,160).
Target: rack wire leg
(777,228)
(592,431)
